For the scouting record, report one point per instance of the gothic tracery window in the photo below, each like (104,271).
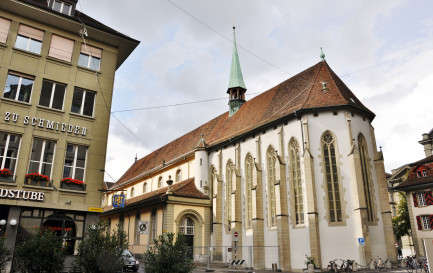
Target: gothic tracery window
(331,175)
(249,163)
(295,170)
(272,161)
(229,192)
(363,155)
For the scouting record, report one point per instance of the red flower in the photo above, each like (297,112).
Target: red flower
(69,180)
(38,177)
(5,172)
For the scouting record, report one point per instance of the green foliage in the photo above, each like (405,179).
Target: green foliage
(101,251)
(401,222)
(310,260)
(41,253)
(5,253)
(169,255)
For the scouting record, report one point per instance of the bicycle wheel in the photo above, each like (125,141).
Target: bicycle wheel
(329,269)
(409,267)
(418,267)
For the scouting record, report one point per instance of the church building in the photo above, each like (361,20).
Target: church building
(292,172)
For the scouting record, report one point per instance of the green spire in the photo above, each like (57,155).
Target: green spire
(236,79)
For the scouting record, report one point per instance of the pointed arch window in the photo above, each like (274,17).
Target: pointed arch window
(229,192)
(295,170)
(132,192)
(368,186)
(144,187)
(249,163)
(160,182)
(272,176)
(331,175)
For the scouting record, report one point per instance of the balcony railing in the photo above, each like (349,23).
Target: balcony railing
(39,183)
(8,179)
(72,186)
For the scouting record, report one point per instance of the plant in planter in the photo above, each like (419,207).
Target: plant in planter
(72,184)
(6,175)
(37,178)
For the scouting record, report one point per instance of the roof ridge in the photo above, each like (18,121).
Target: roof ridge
(311,87)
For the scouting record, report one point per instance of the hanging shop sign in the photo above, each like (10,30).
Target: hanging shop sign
(118,201)
(47,124)
(20,194)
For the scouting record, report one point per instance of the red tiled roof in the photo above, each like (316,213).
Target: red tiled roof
(302,92)
(184,188)
(422,161)
(428,180)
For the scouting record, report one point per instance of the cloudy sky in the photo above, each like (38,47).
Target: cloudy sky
(383,50)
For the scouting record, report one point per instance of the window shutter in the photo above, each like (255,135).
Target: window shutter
(31,32)
(61,48)
(4,29)
(418,221)
(92,51)
(428,198)
(430,220)
(415,199)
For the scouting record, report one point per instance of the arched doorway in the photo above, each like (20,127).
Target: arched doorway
(186,227)
(64,227)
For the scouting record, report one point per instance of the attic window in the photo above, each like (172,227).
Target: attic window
(61,7)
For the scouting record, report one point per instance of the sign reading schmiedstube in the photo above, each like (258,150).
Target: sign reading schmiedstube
(45,123)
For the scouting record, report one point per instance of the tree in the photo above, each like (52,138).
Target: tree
(169,255)
(401,222)
(5,253)
(41,253)
(101,251)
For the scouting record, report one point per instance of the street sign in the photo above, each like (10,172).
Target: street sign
(361,241)
(142,225)
(235,236)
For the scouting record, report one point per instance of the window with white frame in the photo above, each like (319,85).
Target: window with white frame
(186,226)
(90,57)
(426,222)
(18,87)
(421,199)
(9,147)
(42,156)
(75,162)
(62,7)
(52,95)
(83,102)
(4,29)
(29,39)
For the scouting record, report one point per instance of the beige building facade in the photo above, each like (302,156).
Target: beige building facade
(58,76)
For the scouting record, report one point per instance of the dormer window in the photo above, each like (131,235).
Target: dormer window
(62,7)
(65,7)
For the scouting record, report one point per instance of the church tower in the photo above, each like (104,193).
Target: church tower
(237,87)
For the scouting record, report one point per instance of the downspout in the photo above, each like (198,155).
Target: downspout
(302,132)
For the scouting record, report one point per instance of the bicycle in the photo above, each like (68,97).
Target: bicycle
(332,267)
(382,265)
(424,265)
(411,264)
(347,266)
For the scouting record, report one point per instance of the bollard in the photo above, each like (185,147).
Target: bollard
(310,268)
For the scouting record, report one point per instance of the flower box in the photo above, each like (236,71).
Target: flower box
(7,179)
(37,179)
(68,183)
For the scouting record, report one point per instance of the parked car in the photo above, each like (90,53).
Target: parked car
(130,263)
